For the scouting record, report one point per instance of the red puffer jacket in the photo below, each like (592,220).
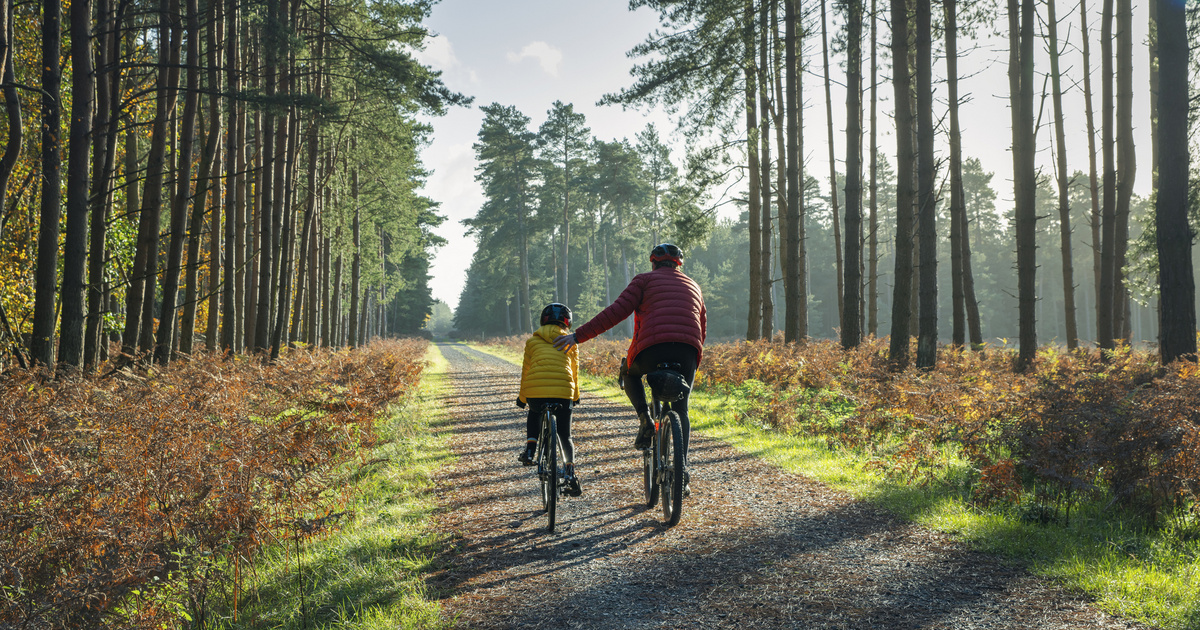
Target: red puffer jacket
(667,307)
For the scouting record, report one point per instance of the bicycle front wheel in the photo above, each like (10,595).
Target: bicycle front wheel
(548,472)
(670,443)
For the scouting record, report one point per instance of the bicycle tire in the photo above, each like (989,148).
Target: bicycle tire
(650,474)
(670,446)
(549,469)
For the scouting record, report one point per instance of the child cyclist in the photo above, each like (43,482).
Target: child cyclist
(549,376)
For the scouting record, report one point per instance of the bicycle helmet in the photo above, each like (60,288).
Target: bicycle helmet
(666,252)
(556,313)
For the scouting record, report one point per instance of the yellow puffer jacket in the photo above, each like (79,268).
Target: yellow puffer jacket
(548,372)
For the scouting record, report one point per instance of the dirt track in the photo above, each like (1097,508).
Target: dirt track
(756,548)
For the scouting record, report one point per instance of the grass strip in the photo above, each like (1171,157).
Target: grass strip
(369,573)
(1149,575)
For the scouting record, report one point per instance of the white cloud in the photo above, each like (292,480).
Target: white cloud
(438,54)
(549,57)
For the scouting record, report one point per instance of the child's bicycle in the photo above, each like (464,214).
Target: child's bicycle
(662,463)
(551,475)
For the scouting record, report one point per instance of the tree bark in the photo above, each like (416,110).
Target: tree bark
(927,336)
(1064,204)
(1126,166)
(902,88)
(166,321)
(1020,19)
(1105,332)
(873,220)
(833,195)
(1093,178)
(268,213)
(851,331)
(795,327)
(356,266)
(764,139)
(754,196)
(46,277)
(234,165)
(781,172)
(12,103)
(210,169)
(958,209)
(1177,308)
(70,348)
(216,34)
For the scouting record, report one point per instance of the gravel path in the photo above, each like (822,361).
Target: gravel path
(756,547)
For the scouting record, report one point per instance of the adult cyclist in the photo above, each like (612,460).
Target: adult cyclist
(669,326)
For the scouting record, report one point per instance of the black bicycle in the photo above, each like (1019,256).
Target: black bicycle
(662,463)
(551,475)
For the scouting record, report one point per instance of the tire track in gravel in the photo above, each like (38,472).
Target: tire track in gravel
(756,547)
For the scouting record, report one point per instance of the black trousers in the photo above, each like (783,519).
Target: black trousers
(562,420)
(646,362)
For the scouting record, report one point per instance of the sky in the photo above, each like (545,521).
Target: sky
(530,53)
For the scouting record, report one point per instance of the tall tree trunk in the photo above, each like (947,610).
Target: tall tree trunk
(46,278)
(927,336)
(328,315)
(833,193)
(873,220)
(902,88)
(12,103)
(1064,204)
(1155,87)
(1105,332)
(1020,79)
(283,215)
(1093,178)
(216,35)
(764,139)
(1126,166)
(70,349)
(268,213)
(210,169)
(1177,309)
(356,266)
(851,331)
(166,321)
(777,116)
(753,201)
(795,324)
(104,143)
(234,165)
(146,334)
(253,176)
(958,210)
(310,206)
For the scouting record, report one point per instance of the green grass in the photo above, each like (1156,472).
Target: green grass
(368,574)
(1151,575)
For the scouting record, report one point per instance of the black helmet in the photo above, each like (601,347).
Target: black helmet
(666,251)
(556,313)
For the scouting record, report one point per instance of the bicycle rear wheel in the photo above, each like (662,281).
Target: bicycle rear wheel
(548,472)
(670,446)
(650,474)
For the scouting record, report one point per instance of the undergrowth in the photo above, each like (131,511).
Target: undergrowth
(1085,467)
(140,499)
(369,573)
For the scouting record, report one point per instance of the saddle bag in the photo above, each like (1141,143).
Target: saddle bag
(668,385)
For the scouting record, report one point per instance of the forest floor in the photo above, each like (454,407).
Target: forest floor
(756,548)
